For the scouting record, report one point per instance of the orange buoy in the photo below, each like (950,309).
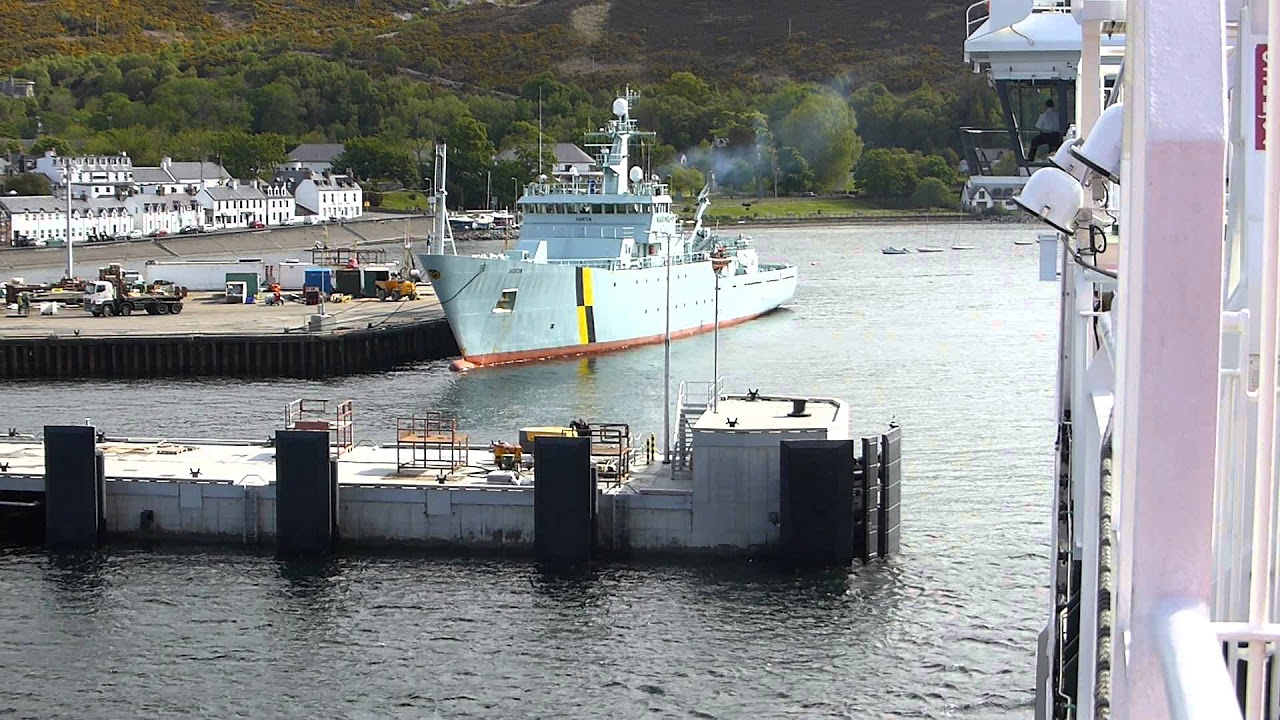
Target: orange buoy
(461,365)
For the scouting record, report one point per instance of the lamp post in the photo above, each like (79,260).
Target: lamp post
(71,267)
(666,367)
(515,193)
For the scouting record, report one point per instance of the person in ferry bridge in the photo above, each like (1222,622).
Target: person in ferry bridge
(1050,135)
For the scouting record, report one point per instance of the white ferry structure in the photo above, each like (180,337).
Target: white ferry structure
(1162,238)
(590,270)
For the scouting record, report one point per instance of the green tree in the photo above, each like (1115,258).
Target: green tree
(509,179)
(470,160)
(793,172)
(373,158)
(931,192)
(823,129)
(1005,165)
(884,172)
(27,184)
(391,58)
(249,156)
(49,142)
(277,109)
(687,181)
(935,166)
(9,147)
(341,47)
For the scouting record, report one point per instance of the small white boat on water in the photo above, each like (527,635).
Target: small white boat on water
(1024,242)
(929,249)
(894,250)
(963,247)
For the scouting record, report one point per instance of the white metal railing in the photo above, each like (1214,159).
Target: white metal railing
(646,261)
(1197,686)
(975,15)
(1232,481)
(691,395)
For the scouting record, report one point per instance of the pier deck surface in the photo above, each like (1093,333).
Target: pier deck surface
(245,462)
(205,314)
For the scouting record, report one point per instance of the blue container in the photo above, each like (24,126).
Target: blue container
(319,278)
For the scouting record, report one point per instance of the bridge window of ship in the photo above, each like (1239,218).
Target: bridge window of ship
(507,302)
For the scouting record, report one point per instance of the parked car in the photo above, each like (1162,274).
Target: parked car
(134,234)
(191,230)
(808,193)
(257,225)
(157,233)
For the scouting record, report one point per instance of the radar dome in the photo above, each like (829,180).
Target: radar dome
(620,107)
(573,170)
(637,174)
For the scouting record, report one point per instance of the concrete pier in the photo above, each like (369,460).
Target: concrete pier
(566,504)
(211,338)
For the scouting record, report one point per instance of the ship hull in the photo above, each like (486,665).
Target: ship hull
(563,310)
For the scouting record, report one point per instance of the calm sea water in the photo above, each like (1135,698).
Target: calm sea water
(958,347)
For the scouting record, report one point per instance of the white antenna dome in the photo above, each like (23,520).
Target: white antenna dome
(573,170)
(637,174)
(621,107)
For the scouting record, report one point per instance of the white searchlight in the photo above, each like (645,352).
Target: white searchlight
(1067,162)
(1101,149)
(1053,196)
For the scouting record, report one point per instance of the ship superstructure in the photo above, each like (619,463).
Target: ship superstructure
(591,268)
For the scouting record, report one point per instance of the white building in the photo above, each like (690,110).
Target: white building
(984,192)
(179,177)
(316,157)
(330,197)
(167,213)
(18,87)
(281,206)
(98,175)
(37,219)
(233,205)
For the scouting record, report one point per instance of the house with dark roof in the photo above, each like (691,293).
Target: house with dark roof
(173,178)
(233,205)
(571,161)
(39,219)
(316,157)
(329,196)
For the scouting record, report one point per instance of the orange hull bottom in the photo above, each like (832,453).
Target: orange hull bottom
(594,348)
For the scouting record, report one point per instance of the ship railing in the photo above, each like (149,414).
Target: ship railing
(978,12)
(647,261)
(1232,484)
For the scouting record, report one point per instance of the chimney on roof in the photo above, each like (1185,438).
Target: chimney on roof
(166,162)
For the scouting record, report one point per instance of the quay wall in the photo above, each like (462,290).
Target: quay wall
(476,517)
(300,355)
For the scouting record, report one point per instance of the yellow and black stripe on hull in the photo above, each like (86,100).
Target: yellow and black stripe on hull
(586,306)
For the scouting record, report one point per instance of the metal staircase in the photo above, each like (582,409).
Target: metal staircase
(692,400)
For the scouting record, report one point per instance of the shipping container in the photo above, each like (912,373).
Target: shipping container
(201,275)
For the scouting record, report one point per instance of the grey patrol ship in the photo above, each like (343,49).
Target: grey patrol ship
(590,269)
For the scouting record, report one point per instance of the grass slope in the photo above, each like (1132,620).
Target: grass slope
(497,45)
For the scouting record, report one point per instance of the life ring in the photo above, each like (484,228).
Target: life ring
(653,249)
